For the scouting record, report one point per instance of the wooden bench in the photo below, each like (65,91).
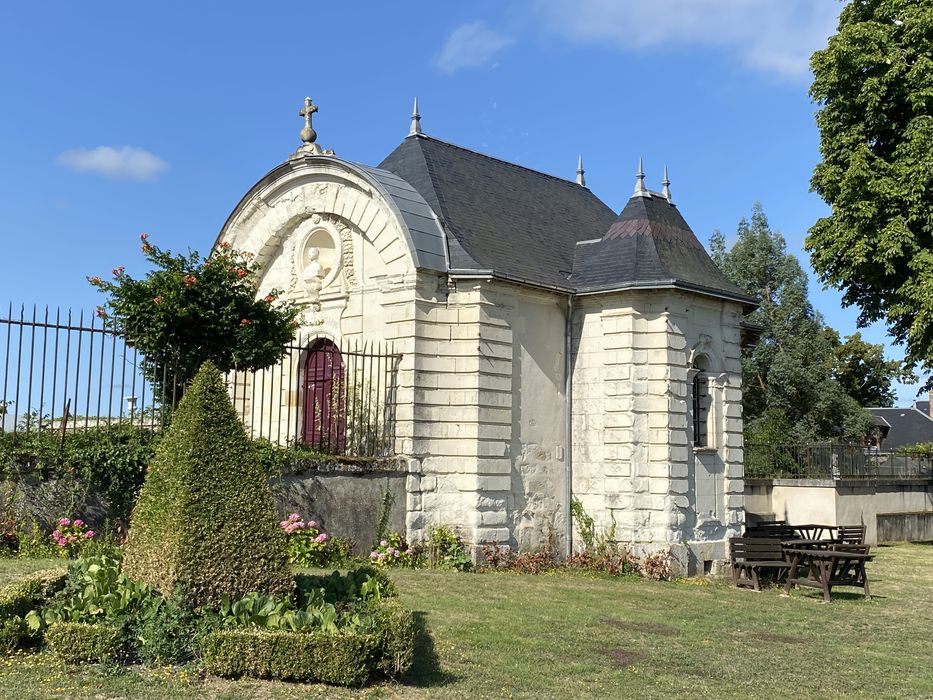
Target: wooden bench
(777,532)
(850,534)
(751,555)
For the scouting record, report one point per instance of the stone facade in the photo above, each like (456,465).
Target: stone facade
(482,410)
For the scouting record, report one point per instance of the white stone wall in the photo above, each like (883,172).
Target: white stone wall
(633,455)
(488,413)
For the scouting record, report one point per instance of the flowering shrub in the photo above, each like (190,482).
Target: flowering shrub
(393,550)
(188,310)
(71,535)
(308,545)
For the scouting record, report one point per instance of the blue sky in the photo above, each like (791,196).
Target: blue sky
(120,117)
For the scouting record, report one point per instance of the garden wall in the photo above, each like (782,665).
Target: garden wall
(345,504)
(842,502)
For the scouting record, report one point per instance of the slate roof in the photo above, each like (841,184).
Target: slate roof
(650,245)
(908,426)
(519,223)
(527,226)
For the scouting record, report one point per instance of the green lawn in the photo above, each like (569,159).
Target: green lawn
(507,636)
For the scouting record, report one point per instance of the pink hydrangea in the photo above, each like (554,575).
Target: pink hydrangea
(64,522)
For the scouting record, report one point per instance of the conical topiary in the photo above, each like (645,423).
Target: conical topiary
(205,522)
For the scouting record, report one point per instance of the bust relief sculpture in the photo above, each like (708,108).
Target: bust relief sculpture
(312,274)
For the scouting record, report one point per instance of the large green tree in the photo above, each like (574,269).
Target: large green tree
(874,85)
(863,371)
(789,392)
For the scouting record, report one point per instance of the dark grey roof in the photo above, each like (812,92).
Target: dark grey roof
(531,227)
(516,222)
(908,426)
(650,245)
(923,406)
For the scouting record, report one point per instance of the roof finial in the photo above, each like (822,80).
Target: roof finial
(415,121)
(308,135)
(666,187)
(640,189)
(580,179)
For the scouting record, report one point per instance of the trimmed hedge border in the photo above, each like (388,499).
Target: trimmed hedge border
(82,643)
(397,638)
(19,597)
(338,659)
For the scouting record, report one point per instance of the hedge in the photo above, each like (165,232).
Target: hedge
(205,522)
(396,632)
(79,642)
(19,597)
(339,659)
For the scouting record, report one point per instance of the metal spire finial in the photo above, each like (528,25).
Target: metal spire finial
(415,121)
(580,179)
(666,187)
(640,189)
(308,135)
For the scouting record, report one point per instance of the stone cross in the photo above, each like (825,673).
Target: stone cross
(308,135)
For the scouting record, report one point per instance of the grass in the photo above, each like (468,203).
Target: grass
(564,636)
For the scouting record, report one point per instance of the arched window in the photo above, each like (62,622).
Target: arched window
(701,401)
(325,423)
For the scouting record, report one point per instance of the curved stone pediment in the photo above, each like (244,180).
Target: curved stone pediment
(321,226)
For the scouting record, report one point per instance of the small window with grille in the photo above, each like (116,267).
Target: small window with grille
(701,401)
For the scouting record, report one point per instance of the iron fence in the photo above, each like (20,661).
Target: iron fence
(62,371)
(830,461)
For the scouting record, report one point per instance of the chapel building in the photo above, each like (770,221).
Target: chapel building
(549,348)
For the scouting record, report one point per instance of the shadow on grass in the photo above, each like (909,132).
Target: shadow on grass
(426,671)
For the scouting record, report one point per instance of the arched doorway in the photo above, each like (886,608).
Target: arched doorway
(325,424)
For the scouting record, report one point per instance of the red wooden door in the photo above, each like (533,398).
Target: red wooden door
(325,423)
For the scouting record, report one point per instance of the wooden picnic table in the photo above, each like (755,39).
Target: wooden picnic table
(836,566)
(815,531)
(807,544)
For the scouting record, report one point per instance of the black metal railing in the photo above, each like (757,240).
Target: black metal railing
(62,371)
(831,461)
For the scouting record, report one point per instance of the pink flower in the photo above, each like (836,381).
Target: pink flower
(143,236)
(56,534)
(118,270)
(64,522)
(78,523)
(89,534)
(245,322)
(374,555)
(383,544)
(240,272)
(157,300)
(294,516)
(189,280)
(312,523)
(101,312)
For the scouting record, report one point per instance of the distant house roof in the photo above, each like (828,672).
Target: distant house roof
(908,426)
(520,224)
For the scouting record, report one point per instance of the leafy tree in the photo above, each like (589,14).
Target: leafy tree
(862,371)
(789,394)
(874,82)
(190,310)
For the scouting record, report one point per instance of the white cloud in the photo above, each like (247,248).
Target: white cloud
(774,36)
(470,46)
(127,163)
